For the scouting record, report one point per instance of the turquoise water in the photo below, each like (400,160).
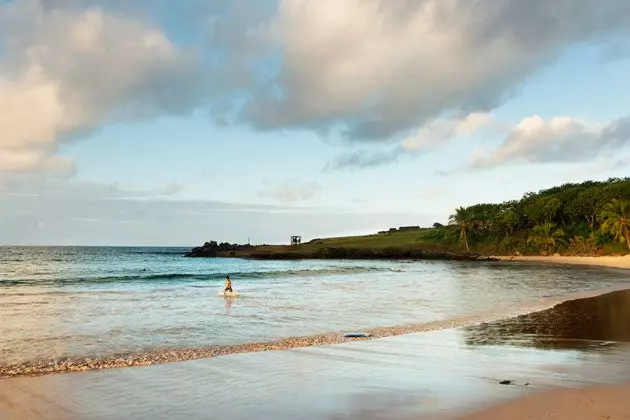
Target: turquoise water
(57,301)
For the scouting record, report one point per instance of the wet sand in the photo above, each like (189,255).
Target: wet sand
(438,374)
(604,319)
(603,402)
(622,262)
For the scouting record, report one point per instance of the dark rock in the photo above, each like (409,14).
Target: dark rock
(213,249)
(506,382)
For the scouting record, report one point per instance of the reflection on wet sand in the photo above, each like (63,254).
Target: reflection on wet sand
(585,324)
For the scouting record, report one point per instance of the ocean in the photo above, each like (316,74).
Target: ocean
(59,302)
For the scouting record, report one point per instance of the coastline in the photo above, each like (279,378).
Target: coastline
(619,262)
(600,402)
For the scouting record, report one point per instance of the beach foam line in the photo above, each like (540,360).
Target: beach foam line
(160,356)
(191,277)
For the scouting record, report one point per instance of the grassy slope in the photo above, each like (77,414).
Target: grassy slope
(416,239)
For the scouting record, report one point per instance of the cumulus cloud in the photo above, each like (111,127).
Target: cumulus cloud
(69,70)
(372,69)
(376,68)
(440,130)
(561,139)
(291,191)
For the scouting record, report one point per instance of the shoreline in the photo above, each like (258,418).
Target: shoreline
(604,401)
(618,262)
(601,402)
(174,355)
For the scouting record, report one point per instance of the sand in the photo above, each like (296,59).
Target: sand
(605,402)
(622,262)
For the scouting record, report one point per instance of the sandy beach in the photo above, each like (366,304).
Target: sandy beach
(602,402)
(622,262)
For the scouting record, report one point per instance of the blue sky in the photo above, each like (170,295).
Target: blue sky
(138,123)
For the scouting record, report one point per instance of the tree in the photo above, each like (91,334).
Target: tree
(586,206)
(463,218)
(616,220)
(505,222)
(546,236)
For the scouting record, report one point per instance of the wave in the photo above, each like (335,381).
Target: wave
(196,277)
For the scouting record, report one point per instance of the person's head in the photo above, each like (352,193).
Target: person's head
(227,277)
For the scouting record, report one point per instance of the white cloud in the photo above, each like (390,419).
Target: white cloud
(432,135)
(374,69)
(173,188)
(561,139)
(377,68)
(68,70)
(291,191)
(438,131)
(363,159)
(429,193)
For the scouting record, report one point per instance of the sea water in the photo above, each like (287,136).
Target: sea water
(60,302)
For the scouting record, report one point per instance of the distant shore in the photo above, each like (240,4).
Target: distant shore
(603,402)
(622,262)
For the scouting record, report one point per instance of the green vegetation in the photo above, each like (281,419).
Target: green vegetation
(616,220)
(464,219)
(589,218)
(546,237)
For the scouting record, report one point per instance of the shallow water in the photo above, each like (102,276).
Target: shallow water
(58,302)
(439,374)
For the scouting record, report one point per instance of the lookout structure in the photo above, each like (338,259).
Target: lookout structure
(296,240)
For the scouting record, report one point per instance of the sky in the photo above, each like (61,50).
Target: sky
(155,122)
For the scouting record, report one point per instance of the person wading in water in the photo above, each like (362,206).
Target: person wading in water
(228,286)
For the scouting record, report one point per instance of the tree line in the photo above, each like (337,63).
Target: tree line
(577,218)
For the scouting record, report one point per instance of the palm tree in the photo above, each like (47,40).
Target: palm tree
(464,219)
(616,220)
(546,236)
